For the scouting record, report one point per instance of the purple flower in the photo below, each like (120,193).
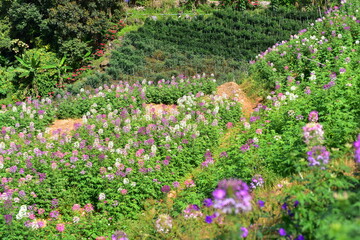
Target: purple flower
(192,211)
(119,235)
(223,154)
(313,134)
(13,169)
(313,116)
(300,237)
(261,203)
(219,194)
(8,218)
(54,214)
(244,231)
(165,189)
(318,156)
(208,202)
(208,219)
(257,181)
(342,70)
(282,232)
(54,203)
(176,184)
(232,195)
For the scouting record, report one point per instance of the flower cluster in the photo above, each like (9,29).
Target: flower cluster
(257,181)
(192,211)
(232,196)
(313,134)
(164,223)
(318,156)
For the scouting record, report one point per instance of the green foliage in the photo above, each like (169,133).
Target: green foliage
(312,216)
(4,35)
(75,50)
(221,42)
(25,20)
(35,75)
(239,5)
(6,85)
(168,92)
(304,3)
(97,80)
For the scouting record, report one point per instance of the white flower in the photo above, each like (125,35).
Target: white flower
(293,88)
(293,96)
(102,196)
(277,137)
(76,219)
(153,148)
(133,184)
(126,181)
(76,144)
(312,77)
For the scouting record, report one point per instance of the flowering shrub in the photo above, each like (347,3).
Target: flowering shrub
(119,156)
(27,116)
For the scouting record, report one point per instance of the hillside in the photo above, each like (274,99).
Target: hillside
(275,157)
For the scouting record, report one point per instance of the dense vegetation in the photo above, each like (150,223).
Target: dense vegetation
(221,43)
(198,169)
(41,40)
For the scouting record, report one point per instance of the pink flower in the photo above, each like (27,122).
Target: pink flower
(88,207)
(60,227)
(41,211)
(123,191)
(76,207)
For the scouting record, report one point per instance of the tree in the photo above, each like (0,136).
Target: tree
(34,79)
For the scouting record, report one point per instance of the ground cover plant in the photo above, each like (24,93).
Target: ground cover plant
(303,130)
(217,43)
(120,156)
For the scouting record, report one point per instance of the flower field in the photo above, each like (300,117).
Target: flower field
(198,168)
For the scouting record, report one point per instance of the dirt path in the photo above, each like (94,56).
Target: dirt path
(233,91)
(63,126)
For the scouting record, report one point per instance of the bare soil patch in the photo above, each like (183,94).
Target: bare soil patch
(233,91)
(160,109)
(63,125)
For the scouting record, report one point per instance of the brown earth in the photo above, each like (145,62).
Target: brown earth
(66,125)
(233,90)
(158,109)
(230,89)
